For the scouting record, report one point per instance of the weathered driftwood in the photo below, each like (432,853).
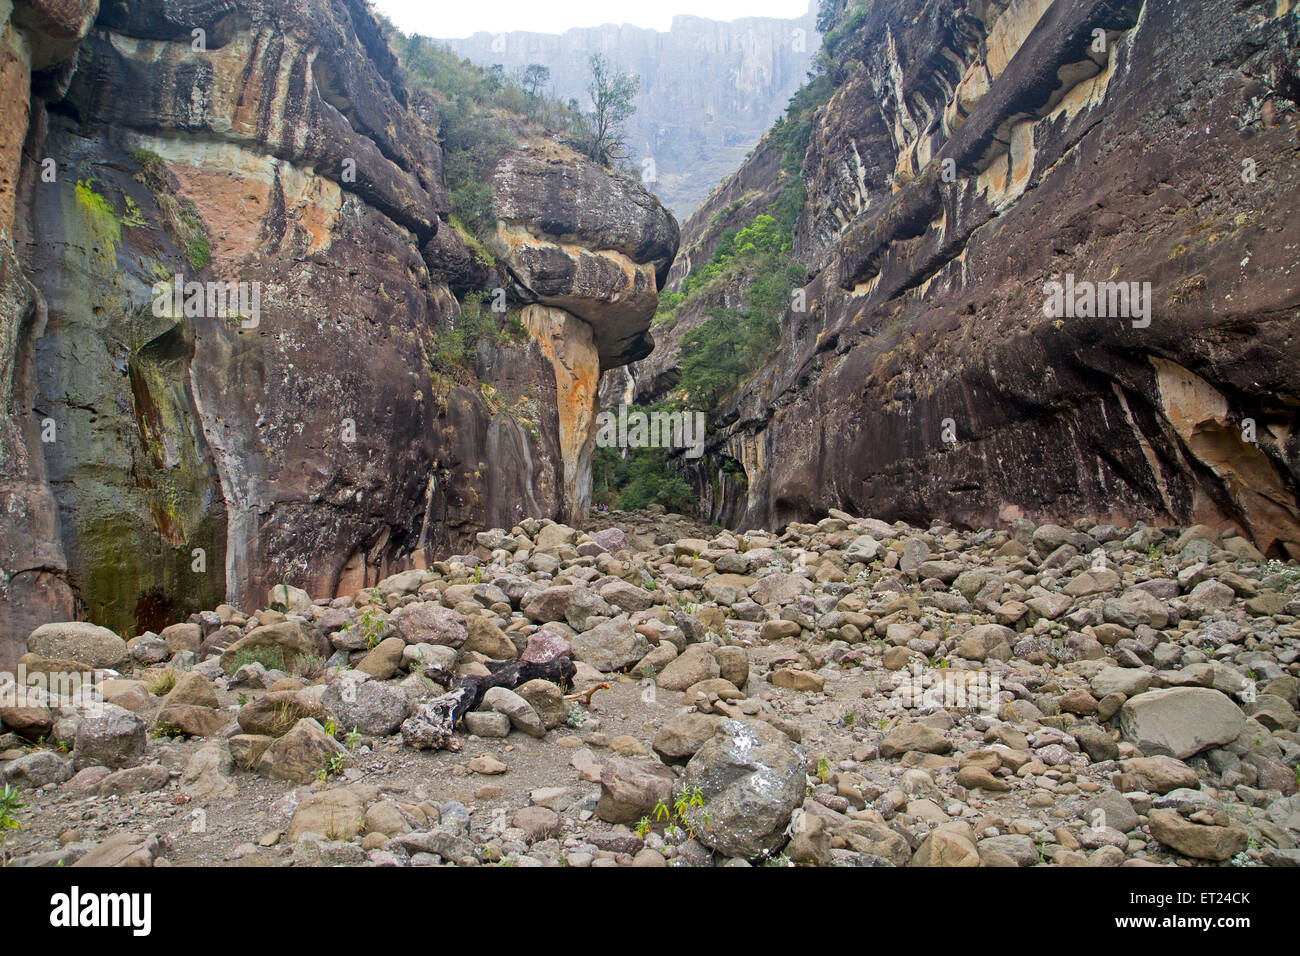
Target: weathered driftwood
(433,725)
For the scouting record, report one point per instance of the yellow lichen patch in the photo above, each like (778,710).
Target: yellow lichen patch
(102,224)
(1011,30)
(867,287)
(1199,413)
(1022,157)
(1085,95)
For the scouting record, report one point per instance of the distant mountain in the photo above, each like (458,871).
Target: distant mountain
(709,90)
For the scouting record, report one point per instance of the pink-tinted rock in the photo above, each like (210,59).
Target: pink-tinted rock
(87,779)
(429,623)
(546,646)
(611,539)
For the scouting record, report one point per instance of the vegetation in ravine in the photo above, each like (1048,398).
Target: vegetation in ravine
(755,259)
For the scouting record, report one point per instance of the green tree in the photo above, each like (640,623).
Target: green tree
(611,95)
(535,79)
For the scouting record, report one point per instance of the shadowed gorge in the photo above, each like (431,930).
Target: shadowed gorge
(387,479)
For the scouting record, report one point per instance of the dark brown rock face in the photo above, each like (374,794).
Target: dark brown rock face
(278,414)
(38,40)
(974,155)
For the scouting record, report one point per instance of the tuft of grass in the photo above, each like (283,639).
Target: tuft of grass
(159,682)
(197,252)
(153,171)
(272,658)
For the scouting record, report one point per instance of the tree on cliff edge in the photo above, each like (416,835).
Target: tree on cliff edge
(611,95)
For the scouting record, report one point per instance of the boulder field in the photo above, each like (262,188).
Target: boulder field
(846,693)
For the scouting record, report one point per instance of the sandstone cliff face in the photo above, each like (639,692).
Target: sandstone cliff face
(194,457)
(35,46)
(1109,140)
(709,90)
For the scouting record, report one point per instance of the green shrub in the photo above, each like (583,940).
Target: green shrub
(470,101)
(646,476)
(455,343)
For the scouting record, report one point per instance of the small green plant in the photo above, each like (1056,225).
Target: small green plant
(823,768)
(241,698)
(687,797)
(9,805)
(330,727)
(353,739)
(643,827)
(684,800)
(162,729)
(282,606)
(332,767)
(370,626)
(576,717)
(847,718)
(153,171)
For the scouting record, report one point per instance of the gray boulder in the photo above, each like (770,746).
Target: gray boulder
(751,778)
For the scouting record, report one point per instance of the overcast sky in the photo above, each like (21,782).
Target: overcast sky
(461,18)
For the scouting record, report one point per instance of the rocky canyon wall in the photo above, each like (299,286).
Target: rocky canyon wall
(975,153)
(162,453)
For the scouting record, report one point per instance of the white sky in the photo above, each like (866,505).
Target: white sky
(461,18)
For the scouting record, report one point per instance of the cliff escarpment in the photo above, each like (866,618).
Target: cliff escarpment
(971,166)
(227,277)
(708,89)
